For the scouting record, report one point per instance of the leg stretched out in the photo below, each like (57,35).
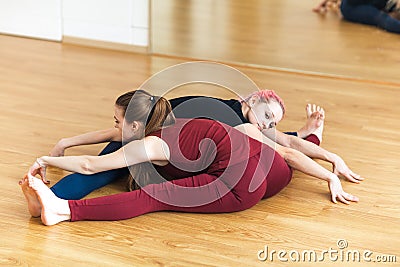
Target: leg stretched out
(370,15)
(158,197)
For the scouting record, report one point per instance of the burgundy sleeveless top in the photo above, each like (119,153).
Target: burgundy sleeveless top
(204,146)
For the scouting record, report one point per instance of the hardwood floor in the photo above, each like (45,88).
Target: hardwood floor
(273,34)
(50,91)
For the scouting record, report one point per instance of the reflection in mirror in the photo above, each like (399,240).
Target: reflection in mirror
(285,35)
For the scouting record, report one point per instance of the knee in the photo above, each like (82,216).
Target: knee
(248,200)
(248,203)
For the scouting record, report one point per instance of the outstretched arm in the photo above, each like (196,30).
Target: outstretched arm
(313,151)
(301,162)
(95,137)
(148,149)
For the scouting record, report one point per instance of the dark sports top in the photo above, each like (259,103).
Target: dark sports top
(380,4)
(226,111)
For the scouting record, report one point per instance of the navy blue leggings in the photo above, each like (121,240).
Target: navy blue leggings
(76,185)
(370,15)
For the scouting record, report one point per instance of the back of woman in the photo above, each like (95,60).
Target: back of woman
(202,145)
(207,146)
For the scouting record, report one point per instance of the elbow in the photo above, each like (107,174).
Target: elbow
(285,140)
(290,140)
(87,167)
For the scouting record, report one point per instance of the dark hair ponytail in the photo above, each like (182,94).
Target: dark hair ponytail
(154,112)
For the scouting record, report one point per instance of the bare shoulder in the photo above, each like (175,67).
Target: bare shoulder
(247,127)
(156,148)
(251,131)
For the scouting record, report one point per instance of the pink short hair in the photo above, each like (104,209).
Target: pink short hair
(267,95)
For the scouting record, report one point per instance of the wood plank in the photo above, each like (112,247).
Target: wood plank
(50,91)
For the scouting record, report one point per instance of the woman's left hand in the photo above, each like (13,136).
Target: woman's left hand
(335,187)
(340,168)
(39,168)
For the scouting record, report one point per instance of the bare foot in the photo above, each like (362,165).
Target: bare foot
(34,205)
(315,122)
(328,5)
(321,8)
(54,209)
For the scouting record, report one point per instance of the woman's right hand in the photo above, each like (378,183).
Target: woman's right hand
(337,192)
(58,150)
(38,167)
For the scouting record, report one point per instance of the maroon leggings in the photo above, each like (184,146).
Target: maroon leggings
(224,195)
(153,197)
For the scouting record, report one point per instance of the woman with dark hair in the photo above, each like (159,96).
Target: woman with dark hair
(207,167)
(257,109)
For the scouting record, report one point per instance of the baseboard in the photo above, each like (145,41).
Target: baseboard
(105,45)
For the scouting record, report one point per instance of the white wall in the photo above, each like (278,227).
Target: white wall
(33,18)
(119,21)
